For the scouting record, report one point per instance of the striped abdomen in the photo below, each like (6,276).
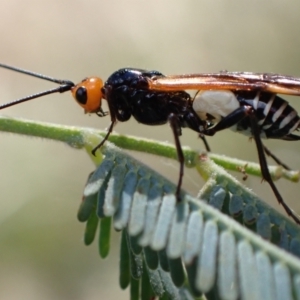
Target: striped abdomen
(276,118)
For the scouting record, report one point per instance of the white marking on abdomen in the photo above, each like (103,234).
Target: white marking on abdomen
(256,100)
(266,127)
(287,119)
(267,109)
(269,105)
(216,103)
(295,126)
(279,112)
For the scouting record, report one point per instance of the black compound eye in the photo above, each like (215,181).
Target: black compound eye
(81,95)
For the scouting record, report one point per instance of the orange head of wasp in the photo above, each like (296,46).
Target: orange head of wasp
(88,94)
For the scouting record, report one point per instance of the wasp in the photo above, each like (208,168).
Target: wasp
(242,101)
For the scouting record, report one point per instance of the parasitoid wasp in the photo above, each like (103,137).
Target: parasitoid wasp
(242,101)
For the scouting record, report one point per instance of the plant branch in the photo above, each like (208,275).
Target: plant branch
(79,137)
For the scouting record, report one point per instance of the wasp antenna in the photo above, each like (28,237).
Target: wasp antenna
(64,85)
(60,89)
(37,75)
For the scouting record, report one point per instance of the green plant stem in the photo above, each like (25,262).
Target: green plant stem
(88,138)
(234,164)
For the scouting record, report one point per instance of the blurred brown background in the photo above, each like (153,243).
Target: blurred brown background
(42,254)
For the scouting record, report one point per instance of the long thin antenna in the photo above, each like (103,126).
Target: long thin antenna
(60,89)
(65,85)
(37,75)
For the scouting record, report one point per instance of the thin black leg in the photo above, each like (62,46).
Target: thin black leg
(228,121)
(110,129)
(176,132)
(206,145)
(277,160)
(264,168)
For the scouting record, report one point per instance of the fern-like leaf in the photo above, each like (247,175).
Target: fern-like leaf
(191,248)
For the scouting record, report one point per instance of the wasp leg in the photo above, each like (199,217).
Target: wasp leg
(101,113)
(177,132)
(234,118)
(230,120)
(206,145)
(264,168)
(277,160)
(110,129)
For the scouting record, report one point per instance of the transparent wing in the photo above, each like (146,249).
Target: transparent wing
(273,83)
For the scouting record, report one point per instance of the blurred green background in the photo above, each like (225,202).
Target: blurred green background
(42,254)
